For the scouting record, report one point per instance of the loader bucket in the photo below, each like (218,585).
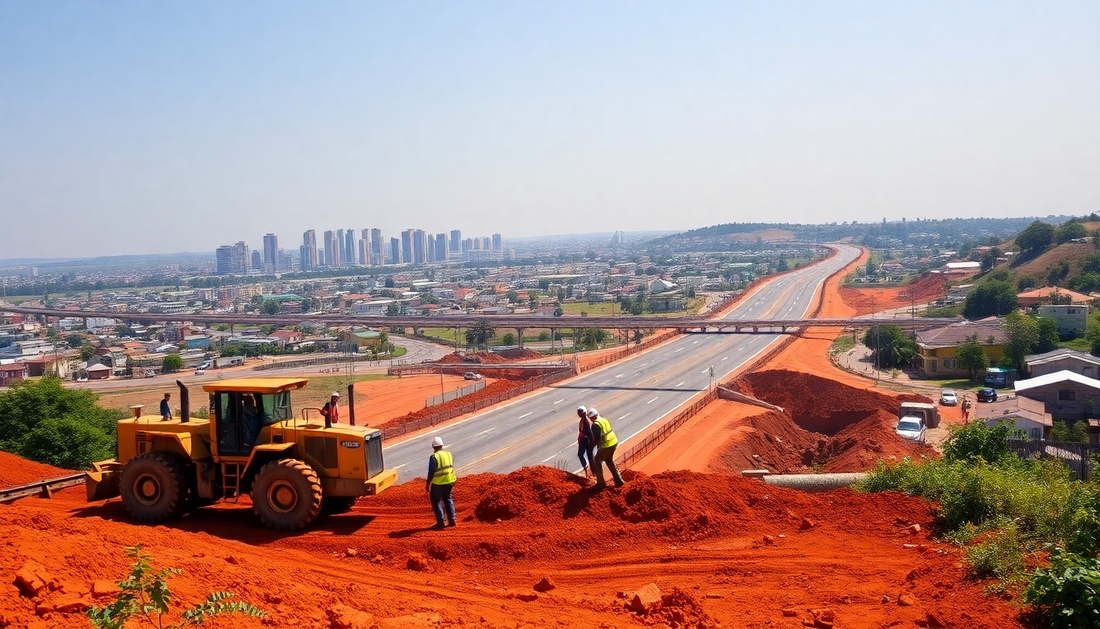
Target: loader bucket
(379,482)
(102,481)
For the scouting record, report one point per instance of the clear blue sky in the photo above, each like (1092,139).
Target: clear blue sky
(178,126)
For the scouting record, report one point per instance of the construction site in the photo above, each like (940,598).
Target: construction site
(687,541)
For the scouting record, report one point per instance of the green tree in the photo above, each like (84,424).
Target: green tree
(890,344)
(480,333)
(1048,334)
(171,363)
(1021,337)
(270,307)
(87,352)
(591,338)
(75,339)
(1025,283)
(972,357)
(513,297)
(393,309)
(69,429)
(1069,231)
(508,339)
(558,311)
(991,298)
(1035,238)
(123,330)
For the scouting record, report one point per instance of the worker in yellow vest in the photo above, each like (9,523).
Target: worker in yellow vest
(440,483)
(604,438)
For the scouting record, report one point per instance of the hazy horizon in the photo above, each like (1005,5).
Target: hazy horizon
(144,127)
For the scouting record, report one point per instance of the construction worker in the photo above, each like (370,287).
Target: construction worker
(440,483)
(165,407)
(604,437)
(331,409)
(585,444)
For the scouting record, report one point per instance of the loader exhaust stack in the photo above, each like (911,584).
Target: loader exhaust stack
(185,403)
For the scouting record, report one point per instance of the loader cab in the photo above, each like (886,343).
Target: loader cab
(242,409)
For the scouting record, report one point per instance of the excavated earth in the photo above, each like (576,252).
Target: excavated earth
(534,548)
(824,423)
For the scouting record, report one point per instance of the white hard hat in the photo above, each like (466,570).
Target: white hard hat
(437,442)
(593,413)
(582,410)
(335,394)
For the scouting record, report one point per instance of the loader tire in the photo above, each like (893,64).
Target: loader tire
(286,495)
(154,487)
(337,504)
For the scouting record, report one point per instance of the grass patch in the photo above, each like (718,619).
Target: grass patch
(842,344)
(1081,345)
(955,384)
(598,309)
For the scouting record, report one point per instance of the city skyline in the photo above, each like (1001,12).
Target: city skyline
(341,248)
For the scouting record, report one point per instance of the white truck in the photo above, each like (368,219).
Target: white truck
(228,361)
(928,412)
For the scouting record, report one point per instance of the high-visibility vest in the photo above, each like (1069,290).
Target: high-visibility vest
(608,435)
(444,468)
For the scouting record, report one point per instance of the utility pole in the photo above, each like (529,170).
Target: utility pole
(877,332)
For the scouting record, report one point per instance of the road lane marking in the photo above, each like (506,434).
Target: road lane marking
(558,402)
(526,414)
(679,350)
(550,457)
(484,432)
(681,384)
(705,370)
(400,466)
(620,375)
(624,416)
(654,400)
(726,358)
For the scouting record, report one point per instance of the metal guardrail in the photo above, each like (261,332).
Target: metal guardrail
(447,396)
(43,488)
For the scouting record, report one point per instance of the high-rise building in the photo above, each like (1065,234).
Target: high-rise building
(232,258)
(498,243)
(486,243)
(331,247)
(349,247)
(285,261)
(271,253)
(377,247)
(456,244)
(395,251)
(257,260)
(440,248)
(430,255)
(309,239)
(420,246)
(363,255)
(407,246)
(305,254)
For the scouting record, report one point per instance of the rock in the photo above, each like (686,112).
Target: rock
(913,529)
(790,612)
(69,605)
(421,620)
(907,600)
(807,523)
(933,621)
(824,618)
(103,588)
(922,548)
(544,585)
(233,560)
(344,617)
(417,562)
(645,598)
(885,599)
(351,552)
(32,578)
(527,597)
(911,575)
(441,553)
(769,540)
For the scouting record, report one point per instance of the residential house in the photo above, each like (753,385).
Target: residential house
(1066,395)
(1025,414)
(1072,319)
(936,347)
(1036,297)
(361,341)
(11,373)
(1063,359)
(98,371)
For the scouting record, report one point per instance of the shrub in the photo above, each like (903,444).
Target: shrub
(978,440)
(145,594)
(1001,555)
(1068,592)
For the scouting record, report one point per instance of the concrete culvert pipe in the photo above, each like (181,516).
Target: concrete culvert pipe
(814,482)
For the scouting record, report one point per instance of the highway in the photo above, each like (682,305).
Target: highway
(633,393)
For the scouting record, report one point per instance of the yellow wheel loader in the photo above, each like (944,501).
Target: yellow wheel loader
(292,467)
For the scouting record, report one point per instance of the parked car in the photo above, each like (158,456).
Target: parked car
(911,429)
(470,375)
(987,395)
(948,398)
(199,371)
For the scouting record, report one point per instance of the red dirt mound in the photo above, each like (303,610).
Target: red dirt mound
(497,389)
(16,471)
(482,358)
(926,288)
(517,353)
(824,423)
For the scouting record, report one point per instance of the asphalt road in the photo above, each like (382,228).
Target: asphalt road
(633,394)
